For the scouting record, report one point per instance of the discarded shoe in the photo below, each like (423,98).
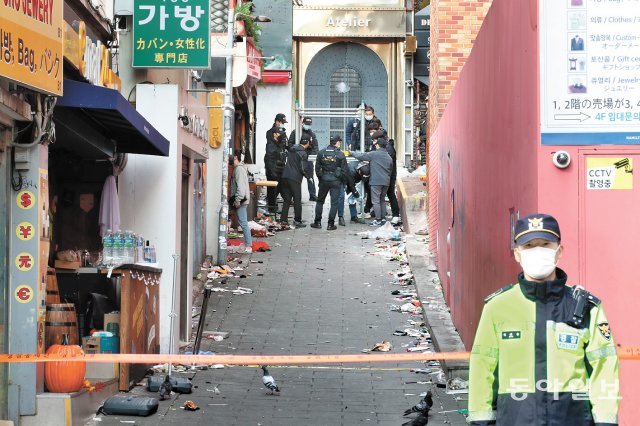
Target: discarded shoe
(341,221)
(316,225)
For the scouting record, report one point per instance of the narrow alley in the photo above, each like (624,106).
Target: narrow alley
(316,292)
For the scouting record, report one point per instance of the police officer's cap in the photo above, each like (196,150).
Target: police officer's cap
(537,225)
(307,120)
(335,139)
(281,117)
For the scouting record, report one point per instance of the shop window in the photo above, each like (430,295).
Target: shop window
(346,92)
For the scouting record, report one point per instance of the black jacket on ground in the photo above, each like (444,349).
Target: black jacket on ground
(294,170)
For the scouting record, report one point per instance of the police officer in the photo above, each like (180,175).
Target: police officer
(352,130)
(274,158)
(292,176)
(311,150)
(331,166)
(543,353)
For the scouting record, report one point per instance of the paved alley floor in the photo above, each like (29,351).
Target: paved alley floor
(316,292)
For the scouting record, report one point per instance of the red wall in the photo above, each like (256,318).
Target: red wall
(486,145)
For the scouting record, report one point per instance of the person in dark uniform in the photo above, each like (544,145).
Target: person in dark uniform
(274,158)
(354,176)
(331,166)
(391,192)
(292,176)
(352,130)
(312,150)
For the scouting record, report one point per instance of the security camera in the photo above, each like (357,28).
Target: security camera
(409,83)
(197,77)
(184,120)
(561,159)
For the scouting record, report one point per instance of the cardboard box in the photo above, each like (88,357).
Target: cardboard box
(112,323)
(100,345)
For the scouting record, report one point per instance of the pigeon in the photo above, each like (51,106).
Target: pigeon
(421,420)
(165,388)
(421,407)
(268,381)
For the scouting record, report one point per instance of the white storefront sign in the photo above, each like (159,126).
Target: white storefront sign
(589,76)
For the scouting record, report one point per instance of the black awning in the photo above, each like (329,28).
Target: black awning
(103,118)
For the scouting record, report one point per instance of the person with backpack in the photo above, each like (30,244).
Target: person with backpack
(331,166)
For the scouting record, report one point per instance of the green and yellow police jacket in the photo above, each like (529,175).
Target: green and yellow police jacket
(529,366)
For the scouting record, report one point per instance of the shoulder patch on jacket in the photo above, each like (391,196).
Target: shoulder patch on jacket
(498,292)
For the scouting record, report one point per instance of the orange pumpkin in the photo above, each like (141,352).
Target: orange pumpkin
(64,377)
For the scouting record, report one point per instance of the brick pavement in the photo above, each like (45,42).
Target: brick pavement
(316,292)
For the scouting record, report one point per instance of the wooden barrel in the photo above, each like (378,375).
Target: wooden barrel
(60,320)
(53,293)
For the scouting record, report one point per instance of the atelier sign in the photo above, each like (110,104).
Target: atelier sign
(349,23)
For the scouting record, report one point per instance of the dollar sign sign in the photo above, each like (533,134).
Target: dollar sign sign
(26,200)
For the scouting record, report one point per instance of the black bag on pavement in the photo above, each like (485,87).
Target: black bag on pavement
(130,405)
(178,384)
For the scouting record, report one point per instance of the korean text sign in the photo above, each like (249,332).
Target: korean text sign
(171,34)
(31,43)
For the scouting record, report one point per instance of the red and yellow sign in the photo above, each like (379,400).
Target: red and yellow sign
(25,200)
(23,293)
(25,231)
(24,262)
(31,43)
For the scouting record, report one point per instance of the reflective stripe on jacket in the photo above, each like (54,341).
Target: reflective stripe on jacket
(530,367)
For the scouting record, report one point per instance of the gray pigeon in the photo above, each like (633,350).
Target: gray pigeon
(269,381)
(421,407)
(165,388)
(421,420)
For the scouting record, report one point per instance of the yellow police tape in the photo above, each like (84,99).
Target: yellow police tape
(624,353)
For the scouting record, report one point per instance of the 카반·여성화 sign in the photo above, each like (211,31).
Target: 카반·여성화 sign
(171,34)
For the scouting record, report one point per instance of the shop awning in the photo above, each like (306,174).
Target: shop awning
(103,118)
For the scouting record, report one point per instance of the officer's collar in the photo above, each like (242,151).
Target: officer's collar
(544,291)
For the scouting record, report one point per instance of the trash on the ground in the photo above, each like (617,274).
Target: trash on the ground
(399,333)
(457,385)
(384,346)
(216,366)
(421,370)
(190,406)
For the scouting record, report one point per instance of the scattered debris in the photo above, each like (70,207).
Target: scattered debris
(190,406)
(384,346)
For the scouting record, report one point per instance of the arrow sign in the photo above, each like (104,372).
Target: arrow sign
(572,117)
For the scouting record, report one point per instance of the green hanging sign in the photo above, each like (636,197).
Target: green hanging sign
(171,34)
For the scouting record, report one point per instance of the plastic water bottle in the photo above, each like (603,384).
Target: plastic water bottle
(107,247)
(118,248)
(128,247)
